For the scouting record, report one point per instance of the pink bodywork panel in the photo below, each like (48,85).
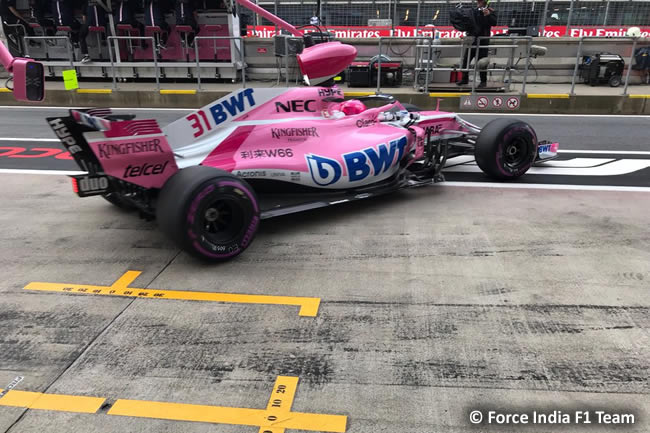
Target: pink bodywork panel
(300,135)
(135,151)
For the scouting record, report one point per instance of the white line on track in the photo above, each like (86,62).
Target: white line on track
(595,152)
(446,183)
(28,139)
(29,107)
(50,172)
(546,186)
(603,152)
(556,115)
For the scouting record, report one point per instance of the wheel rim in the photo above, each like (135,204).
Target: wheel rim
(516,152)
(222,220)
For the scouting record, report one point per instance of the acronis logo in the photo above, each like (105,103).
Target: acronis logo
(372,161)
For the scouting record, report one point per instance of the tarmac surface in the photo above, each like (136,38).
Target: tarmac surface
(433,302)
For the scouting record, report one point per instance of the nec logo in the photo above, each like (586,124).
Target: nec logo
(295,106)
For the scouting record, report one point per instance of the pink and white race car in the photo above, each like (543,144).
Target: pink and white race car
(210,177)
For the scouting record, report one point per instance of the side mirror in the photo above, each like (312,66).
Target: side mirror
(29,80)
(321,62)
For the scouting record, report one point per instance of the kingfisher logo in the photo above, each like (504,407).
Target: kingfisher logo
(372,161)
(324,171)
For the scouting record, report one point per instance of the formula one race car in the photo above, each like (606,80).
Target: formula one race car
(211,176)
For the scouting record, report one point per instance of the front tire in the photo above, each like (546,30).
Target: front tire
(209,213)
(506,148)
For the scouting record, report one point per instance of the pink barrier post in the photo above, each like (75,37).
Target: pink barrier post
(6,58)
(269,16)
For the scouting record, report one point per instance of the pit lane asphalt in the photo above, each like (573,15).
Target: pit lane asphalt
(435,301)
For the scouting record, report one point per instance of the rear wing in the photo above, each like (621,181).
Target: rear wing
(114,149)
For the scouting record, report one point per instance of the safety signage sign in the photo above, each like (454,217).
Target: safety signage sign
(489,102)
(512,103)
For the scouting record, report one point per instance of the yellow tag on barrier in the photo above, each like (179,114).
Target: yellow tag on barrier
(70,79)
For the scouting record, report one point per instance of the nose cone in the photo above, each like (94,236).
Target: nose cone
(324,61)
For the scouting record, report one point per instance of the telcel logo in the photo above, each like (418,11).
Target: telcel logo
(144,169)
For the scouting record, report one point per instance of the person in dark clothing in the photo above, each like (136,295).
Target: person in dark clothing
(124,13)
(154,15)
(185,16)
(485,18)
(64,16)
(95,16)
(40,12)
(11,16)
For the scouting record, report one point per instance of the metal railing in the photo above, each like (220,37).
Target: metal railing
(602,38)
(68,45)
(431,47)
(153,50)
(240,52)
(21,33)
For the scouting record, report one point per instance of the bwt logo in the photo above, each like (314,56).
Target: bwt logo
(371,161)
(324,171)
(237,104)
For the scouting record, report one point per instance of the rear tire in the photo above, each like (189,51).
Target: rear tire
(506,148)
(209,213)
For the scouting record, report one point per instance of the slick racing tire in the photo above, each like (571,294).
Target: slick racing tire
(209,213)
(506,148)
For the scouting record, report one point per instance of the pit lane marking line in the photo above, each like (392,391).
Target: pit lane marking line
(308,306)
(58,402)
(547,95)
(279,406)
(177,92)
(97,91)
(276,418)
